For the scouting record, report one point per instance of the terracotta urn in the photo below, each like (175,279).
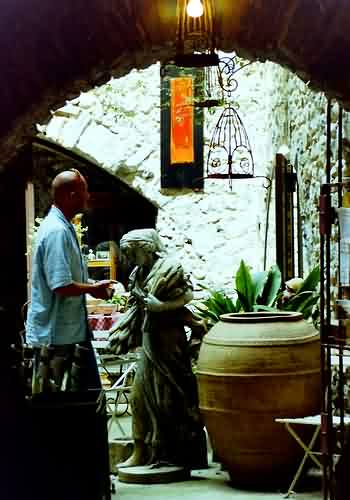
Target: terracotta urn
(253,368)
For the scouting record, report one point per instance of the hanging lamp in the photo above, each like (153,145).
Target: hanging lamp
(195,8)
(194,34)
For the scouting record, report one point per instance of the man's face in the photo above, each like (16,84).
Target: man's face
(81,195)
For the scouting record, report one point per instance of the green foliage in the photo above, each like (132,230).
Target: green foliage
(211,309)
(80,230)
(32,235)
(260,291)
(120,300)
(271,288)
(245,287)
(312,281)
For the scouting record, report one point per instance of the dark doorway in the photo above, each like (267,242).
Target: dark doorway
(114,208)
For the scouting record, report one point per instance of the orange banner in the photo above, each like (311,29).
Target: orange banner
(181,140)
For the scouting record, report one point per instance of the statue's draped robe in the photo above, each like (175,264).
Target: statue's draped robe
(164,400)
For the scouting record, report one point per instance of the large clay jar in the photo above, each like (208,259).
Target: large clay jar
(253,368)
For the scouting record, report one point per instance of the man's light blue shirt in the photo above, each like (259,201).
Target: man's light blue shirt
(57,262)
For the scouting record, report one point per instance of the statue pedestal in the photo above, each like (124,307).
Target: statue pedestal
(150,474)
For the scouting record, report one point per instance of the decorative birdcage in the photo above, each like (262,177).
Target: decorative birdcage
(230,155)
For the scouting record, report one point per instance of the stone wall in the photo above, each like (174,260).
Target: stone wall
(306,122)
(117,125)
(307,139)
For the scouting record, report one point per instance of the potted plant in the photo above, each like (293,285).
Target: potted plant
(261,291)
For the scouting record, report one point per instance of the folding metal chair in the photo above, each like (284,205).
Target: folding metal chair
(310,452)
(114,394)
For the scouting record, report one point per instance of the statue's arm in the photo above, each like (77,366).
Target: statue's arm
(155,305)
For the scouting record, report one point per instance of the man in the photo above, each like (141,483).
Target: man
(57,315)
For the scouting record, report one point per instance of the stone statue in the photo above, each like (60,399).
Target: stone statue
(167,427)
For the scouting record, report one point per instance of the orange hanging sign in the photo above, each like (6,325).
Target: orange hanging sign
(182,117)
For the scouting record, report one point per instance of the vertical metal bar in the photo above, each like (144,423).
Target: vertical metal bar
(330,432)
(340,155)
(329,138)
(325,444)
(299,225)
(322,356)
(325,310)
(341,396)
(328,240)
(289,197)
(340,290)
(285,221)
(340,179)
(279,214)
(267,220)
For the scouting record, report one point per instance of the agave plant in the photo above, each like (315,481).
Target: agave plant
(258,290)
(261,291)
(216,304)
(253,292)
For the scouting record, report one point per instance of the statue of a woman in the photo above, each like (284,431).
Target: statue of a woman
(167,428)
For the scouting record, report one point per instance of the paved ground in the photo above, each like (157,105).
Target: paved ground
(210,484)
(207,484)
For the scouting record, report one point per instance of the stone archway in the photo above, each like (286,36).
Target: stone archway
(49,54)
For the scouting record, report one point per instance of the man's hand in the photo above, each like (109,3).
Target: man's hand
(102,289)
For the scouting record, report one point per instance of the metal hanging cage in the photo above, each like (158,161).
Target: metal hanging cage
(230,155)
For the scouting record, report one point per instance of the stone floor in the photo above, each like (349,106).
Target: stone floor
(206,485)
(211,483)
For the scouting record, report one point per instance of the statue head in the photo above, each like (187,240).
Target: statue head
(142,245)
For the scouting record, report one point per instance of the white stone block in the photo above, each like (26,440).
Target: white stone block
(139,155)
(98,142)
(55,127)
(87,100)
(73,130)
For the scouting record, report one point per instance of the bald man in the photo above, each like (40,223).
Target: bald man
(57,315)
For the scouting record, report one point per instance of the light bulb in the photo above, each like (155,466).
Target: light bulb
(195,8)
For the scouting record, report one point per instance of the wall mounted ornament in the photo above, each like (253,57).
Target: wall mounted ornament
(181,128)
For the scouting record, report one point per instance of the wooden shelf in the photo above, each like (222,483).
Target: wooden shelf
(99,263)
(110,263)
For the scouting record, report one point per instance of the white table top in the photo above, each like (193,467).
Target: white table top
(312,420)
